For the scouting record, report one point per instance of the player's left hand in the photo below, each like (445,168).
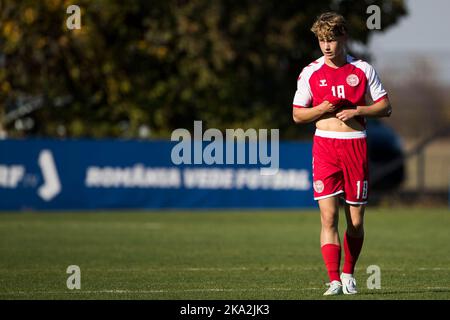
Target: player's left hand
(346,114)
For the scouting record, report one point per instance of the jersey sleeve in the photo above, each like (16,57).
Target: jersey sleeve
(303,95)
(374,85)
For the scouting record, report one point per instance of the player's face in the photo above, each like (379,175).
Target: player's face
(332,48)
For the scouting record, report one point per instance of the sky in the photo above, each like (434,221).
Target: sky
(424,32)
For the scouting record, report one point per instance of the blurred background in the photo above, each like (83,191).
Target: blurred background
(137,70)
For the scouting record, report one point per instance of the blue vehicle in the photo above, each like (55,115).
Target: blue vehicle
(386,156)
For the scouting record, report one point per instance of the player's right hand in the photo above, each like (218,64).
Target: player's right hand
(337,102)
(326,106)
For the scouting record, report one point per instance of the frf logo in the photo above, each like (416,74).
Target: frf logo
(12,175)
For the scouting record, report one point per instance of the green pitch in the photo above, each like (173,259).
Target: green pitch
(216,255)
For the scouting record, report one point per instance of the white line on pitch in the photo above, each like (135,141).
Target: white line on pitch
(154,291)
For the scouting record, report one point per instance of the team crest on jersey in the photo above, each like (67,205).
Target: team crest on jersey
(318,186)
(352,80)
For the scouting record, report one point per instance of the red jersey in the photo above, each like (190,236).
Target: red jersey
(351,81)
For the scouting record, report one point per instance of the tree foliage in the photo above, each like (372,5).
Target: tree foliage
(163,63)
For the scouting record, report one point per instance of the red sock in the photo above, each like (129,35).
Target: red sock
(352,248)
(332,257)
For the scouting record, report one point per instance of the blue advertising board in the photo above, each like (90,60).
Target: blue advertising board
(45,174)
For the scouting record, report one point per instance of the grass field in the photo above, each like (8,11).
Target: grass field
(216,255)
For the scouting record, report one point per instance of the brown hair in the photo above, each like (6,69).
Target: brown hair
(329,25)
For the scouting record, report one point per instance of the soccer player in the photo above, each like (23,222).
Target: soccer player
(331,92)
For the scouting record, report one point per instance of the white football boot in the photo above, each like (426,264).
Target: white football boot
(335,288)
(348,283)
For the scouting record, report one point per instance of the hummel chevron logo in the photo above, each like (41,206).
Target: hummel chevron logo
(52,185)
(323,83)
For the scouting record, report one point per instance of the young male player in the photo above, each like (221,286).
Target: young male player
(331,92)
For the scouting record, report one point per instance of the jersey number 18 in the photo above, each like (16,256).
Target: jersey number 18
(340,93)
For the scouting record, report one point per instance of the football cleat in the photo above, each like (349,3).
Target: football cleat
(335,288)
(348,283)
